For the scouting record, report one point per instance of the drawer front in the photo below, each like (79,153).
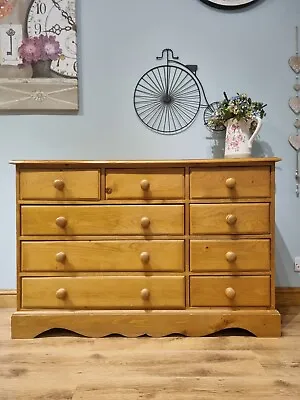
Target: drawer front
(109,292)
(125,255)
(145,184)
(59,185)
(236,291)
(102,220)
(230,218)
(230,255)
(237,182)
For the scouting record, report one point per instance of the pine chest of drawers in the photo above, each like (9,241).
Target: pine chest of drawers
(145,247)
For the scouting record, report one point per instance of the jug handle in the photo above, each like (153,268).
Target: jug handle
(255,133)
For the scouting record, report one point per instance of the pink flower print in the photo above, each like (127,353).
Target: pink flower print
(29,51)
(50,49)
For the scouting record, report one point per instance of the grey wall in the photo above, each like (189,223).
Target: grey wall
(243,51)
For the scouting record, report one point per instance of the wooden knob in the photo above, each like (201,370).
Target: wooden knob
(61,257)
(61,222)
(145,294)
(231,219)
(145,185)
(230,256)
(230,183)
(145,222)
(145,257)
(59,184)
(230,293)
(61,294)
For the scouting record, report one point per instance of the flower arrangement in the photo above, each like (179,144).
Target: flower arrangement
(238,107)
(39,48)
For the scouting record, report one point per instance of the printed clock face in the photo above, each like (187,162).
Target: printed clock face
(56,18)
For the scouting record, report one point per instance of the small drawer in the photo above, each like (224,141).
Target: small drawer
(109,255)
(106,292)
(102,220)
(145,184)
(230,182)
(235,291)
(251,218)
(230,255)
(59,185)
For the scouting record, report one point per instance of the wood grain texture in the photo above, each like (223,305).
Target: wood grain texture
(108,255)
(105,220)
(76,185)
(139,203)
(156,163)
(106,292)
(249,291)
(247,182)
(214,255)
(285,297)
(229,366)
(162,183)
(212,218)
(155,323)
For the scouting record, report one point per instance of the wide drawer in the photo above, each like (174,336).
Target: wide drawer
(110,255)
(237,182)
(59,185)
(235,291)
(145,184)
(230,255)
(102,220)
(109,292)
(251,218)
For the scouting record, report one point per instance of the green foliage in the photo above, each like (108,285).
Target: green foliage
(237,107)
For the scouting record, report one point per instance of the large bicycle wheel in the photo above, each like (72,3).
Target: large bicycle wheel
(167,99)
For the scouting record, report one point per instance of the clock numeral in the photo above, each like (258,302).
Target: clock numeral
(75,66)
(38,29)
(41,8)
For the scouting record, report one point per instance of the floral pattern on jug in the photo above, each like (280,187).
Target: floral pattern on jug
(239,137)
(234,137)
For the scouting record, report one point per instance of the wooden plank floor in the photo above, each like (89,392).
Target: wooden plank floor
(221,367)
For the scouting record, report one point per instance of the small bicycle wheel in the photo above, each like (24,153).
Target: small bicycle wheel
(208,113)
(167,99)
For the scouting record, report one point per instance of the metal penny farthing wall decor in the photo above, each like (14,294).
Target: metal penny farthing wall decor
(167,98)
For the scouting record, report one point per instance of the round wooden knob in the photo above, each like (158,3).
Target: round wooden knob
(145,294)
(145,222)
(145,185)
(61,257)
(230,293)
(61,222)
(231,219)
(230,256)
(59,184)
(145,257)
(61,294)
(230,183)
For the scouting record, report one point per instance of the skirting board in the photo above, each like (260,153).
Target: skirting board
(289,296)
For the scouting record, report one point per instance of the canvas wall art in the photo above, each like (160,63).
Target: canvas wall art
(38,55)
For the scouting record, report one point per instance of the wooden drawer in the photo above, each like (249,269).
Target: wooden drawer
(110,292)
(125,255)
(251,218)
(234,182)
(145,183)
(235,291)
(230,255)
(59,185)
(102,220)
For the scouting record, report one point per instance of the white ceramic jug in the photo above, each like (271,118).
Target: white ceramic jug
(239,139)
